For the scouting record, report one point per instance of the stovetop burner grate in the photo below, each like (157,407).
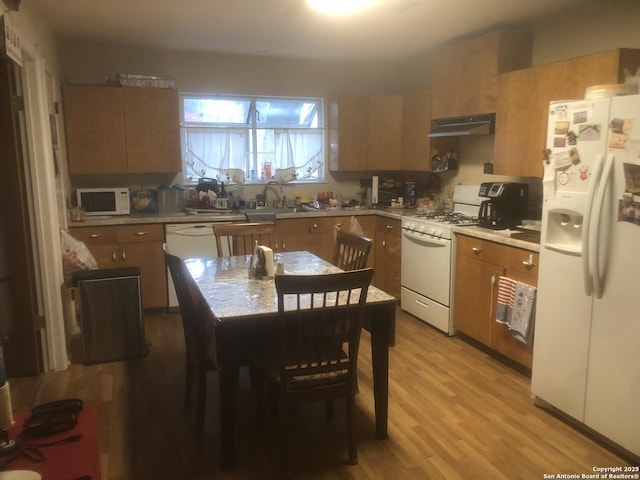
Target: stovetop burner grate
(451,218)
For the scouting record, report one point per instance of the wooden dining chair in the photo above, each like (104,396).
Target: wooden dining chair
(240,238)
(352,251)
(199,325)
(318,337)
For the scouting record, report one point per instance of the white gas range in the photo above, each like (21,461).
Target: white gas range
(427,258)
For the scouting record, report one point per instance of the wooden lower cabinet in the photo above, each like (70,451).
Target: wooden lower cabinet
(331,224)
(387,255)
(479,264)
(299,234)
(317,235)
(131,246)
(140,246)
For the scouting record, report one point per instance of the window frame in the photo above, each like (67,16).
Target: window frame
(252,126)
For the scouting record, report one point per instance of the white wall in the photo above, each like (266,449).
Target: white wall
(39,80)
(599,25)
(247,74)
(37,38)
(596,26)
(35,32)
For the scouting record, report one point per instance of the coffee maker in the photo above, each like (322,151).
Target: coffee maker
(506,205)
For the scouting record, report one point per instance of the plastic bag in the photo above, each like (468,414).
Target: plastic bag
(354,228)
(75,256)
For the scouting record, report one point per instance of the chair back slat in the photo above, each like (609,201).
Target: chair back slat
(352,251)
(241,238)
(318,316)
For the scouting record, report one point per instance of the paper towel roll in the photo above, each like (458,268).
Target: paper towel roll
(374,190)
(6,414)
(268,261)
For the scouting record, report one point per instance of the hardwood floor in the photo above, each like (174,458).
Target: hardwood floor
(454,413)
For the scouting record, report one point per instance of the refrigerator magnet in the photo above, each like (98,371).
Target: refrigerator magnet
(563,178)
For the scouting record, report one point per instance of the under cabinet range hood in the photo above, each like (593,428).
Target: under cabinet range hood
(462,126)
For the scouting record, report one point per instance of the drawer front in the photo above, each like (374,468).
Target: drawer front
(118,234)
(508,257)
(300,226)
(521,261)
(95,235)
(479,249)
(140,233)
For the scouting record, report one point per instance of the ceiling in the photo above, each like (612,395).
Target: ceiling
(284,28)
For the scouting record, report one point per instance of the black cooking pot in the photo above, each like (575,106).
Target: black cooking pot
(206,184)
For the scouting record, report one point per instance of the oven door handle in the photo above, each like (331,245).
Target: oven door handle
(426,239)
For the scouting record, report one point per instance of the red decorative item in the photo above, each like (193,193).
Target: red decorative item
(66,460)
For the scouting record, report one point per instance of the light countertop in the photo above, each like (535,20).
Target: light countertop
(526,241)
(233,217)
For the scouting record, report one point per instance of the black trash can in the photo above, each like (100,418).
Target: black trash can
(111,316)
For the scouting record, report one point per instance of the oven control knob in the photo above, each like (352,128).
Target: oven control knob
(421,228)
(411,226)
(438,233)
(431,231)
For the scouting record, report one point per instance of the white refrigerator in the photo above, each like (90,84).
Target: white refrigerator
(586,357)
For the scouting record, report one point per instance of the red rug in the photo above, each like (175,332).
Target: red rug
(66,461)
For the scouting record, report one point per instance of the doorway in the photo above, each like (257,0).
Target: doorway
(19,316)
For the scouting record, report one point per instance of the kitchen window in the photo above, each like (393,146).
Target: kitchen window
(250,139)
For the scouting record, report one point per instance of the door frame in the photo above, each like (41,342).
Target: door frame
(44,208)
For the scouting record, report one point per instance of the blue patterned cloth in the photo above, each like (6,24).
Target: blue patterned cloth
(523,313)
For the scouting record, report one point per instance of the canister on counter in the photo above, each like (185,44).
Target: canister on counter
(77,214)
(410,194)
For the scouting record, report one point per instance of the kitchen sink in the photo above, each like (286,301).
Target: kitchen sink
(278,210)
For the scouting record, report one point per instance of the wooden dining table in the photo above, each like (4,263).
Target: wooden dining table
(246,308)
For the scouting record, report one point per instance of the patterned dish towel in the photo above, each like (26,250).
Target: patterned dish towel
(523,313)
(506,296)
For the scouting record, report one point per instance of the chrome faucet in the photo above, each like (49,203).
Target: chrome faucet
(269,186)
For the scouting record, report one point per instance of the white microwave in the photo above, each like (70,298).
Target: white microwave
(104,201)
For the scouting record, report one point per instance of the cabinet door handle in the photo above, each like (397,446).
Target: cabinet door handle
(123,255)
(114,256)
(95,235)
(389,227)
(529,264)
(284,246)
(315,225)
(338,226)
(140,234)
(476,250)
(384,243)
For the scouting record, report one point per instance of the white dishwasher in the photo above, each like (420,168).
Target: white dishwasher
(186,240)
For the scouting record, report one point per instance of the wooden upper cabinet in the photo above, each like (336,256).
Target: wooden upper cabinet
(416,123)
(365,133)
(121,130)
(465,78)
(94,124)
(385,132)
(523,104)
(349,134)
(152,130)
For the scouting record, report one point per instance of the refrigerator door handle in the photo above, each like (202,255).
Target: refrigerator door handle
(599,216)
(587,272)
